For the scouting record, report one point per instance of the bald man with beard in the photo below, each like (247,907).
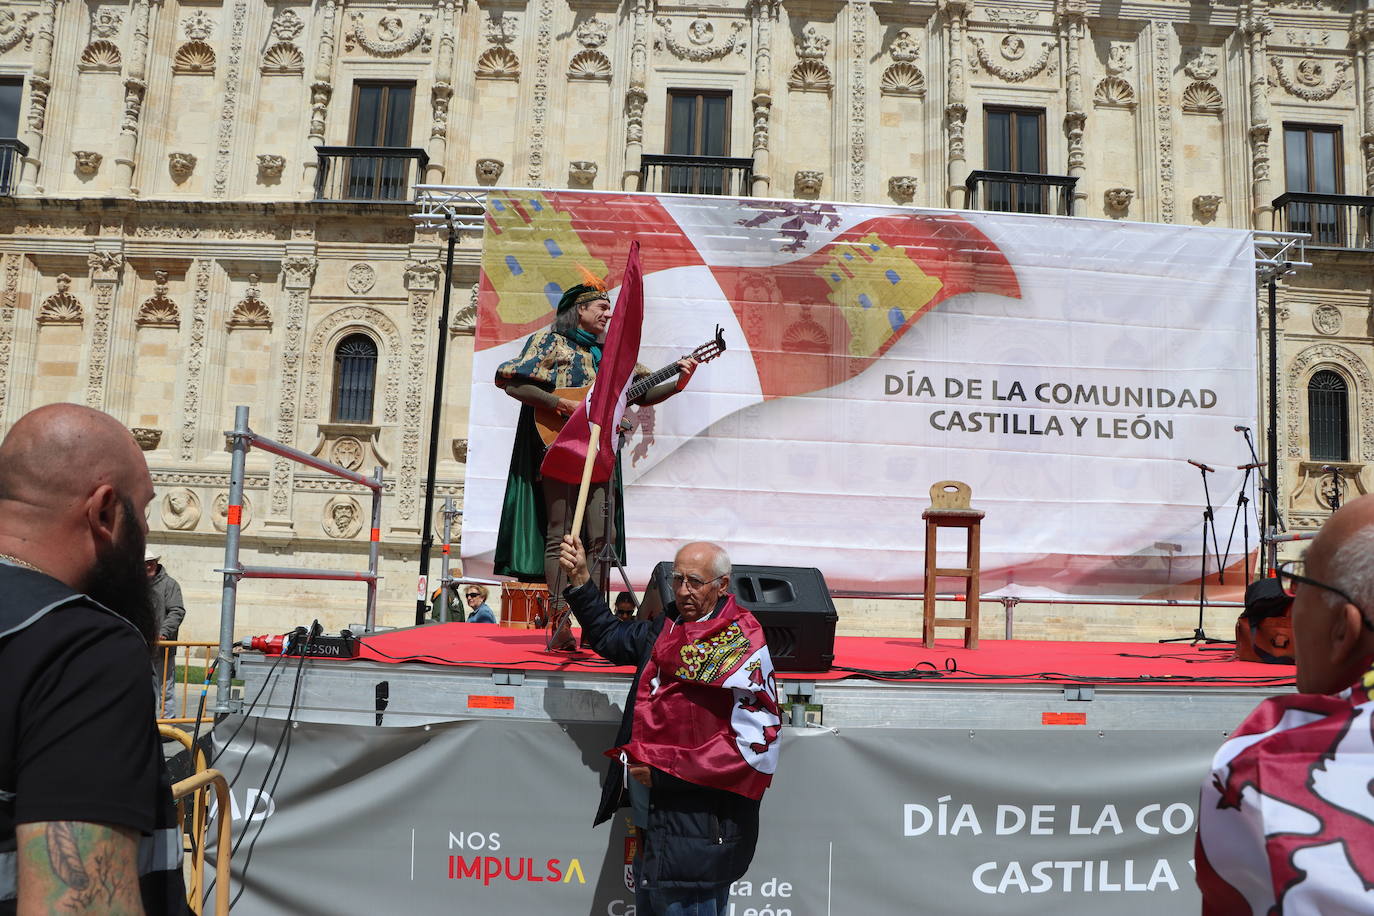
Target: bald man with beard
(86,817)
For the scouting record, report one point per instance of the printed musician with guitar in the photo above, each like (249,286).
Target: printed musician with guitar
(550,377)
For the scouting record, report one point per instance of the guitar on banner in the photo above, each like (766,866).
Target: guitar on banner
(549,421)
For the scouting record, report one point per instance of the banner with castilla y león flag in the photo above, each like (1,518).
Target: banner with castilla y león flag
(1066,369)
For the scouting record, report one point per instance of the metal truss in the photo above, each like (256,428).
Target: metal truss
(442,206)
(1279,254)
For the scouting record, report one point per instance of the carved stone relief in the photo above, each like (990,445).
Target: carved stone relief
(181,509)
(903,77)
(158,310)
(251,311)
(270,166)
(460,450)
(61,307)
(181,165)
(902,188)
(392,39)
(283,58)
(343,517)
(581,173)
(194,58)
(1117,201)
(590,64)
(811,73)
(499,61)
(592,33)
(146,437)
(361,278)
(1326,319)
(106,22)
(1206,205)
(701,45)
(1114,92)
(332,327)
(1013,48)
(348,452)
(101,56)
(1201,97)
(220,516)
(1351,366)
(87,163)
(808,183)
(286,25)
(1313,79)
(489,171)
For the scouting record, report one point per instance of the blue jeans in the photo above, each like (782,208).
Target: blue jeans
(676,902)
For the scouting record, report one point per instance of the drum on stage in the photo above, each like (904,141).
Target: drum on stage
(522,603)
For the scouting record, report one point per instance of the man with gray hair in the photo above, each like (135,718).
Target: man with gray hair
(1284,823)
(698,744)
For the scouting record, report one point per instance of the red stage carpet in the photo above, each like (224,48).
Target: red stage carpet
(877,657)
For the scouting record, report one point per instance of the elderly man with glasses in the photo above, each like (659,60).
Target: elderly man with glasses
(1285,820)
(697,745)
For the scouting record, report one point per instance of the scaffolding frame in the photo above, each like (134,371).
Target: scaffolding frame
(243,438)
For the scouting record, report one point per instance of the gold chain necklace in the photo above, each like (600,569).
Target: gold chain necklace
(18,562)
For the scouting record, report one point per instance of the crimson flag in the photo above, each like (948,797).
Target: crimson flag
(605,405)
(707,706)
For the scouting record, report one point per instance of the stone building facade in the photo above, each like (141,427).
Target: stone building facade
(204,203)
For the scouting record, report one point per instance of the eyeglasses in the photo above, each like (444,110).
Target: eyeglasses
(1291,575)
(692,582)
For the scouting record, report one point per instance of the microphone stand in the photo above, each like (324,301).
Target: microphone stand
(608,556)
(1208,525)
(1243,514)
(1270,498)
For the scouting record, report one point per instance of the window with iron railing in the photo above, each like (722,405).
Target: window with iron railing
(1312,166)
(697,142)
(1328,434)
(1014,141)
(381,121)
(12,151)
(355,379)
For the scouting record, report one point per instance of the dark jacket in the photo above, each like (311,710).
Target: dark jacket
(697,837)
(168,601)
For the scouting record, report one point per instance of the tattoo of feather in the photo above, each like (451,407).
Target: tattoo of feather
(65,855)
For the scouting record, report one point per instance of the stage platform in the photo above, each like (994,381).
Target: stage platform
(448,672)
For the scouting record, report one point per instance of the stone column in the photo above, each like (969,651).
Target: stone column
(298,273)
(321,90)
(1257,26)
(637,95)
(422,279)
(765,14)
(106,267)
(135,85)
(956,109)
(441,93)
(9,302)
(858,12)
(1071,19)
(1362,33)
(537,148)
(39,86)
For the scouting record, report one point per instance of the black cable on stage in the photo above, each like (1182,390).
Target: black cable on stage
(922,671)
(246,713)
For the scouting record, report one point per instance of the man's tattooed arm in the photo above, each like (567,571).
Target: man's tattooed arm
(77,867)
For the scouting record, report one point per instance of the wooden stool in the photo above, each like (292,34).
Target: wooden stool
(949,508)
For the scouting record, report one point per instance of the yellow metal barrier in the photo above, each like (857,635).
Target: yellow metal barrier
(181,699)
(195,786)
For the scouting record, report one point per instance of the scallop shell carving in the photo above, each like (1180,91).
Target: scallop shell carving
(589,65)
(101,55)
(283,57)
(498,63)
(1202,97)
(903,79)
(1114,92)
(194,57)
(811,76)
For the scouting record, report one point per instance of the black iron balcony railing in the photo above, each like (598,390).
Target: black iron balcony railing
(1020,192)
(695,174)
(12,153)
(1333,220)
(368,173)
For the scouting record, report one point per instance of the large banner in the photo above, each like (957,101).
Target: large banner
(495,816)
(1066,369)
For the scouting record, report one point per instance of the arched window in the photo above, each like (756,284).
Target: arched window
(355,379)
(1328,433)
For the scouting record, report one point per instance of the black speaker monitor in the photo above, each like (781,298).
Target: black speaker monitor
(792,604)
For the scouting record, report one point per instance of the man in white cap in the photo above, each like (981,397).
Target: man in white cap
(171,610)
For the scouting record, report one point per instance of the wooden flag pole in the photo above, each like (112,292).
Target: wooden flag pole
(593,444)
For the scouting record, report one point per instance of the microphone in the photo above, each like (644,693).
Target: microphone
(1199,464)
(1248,467)
(1241,429)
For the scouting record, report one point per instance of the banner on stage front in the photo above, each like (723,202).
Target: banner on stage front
(1066,369)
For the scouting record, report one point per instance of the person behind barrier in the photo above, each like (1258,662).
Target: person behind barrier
(1284,823)
(475,597)
(171,611)
(536,513)
(86,816)
(698,741)
(624,606)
